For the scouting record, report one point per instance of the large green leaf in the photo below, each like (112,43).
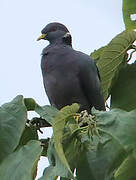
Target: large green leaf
(123,93)
(127,170)
(58,128)
(29,133)
(22,164)
(71,149)
(30,104)
(13,117)
(113,57)
(129,10)
(47,112)
(50,173)
(102,156)
(97,53)
(56,167)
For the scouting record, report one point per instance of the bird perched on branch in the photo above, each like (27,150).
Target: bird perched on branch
(69,76)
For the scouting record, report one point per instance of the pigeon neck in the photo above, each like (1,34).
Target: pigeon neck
(56,41)
(59,41)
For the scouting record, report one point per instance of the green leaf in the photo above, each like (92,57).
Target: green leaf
(13,116)
(29,133)
(123,93)
(22,164)
(118,124)
(30,104)
(47,112)
(129,10)
(58,128)
(113,58)
(56,167)
(97,53)
(50,173)
(100,158)
(127,170)
(103,156)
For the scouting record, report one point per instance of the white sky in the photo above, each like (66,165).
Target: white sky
(92,25)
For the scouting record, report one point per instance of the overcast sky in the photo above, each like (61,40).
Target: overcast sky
(92,25)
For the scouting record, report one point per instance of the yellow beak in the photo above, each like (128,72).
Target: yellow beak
(41,37)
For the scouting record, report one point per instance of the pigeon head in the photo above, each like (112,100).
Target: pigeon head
(54,31)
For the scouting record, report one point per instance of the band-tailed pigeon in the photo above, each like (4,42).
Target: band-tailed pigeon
(69,76)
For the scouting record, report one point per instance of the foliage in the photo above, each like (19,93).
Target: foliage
(20,150)
(113,57)
(123,92)
(129,10)
(100,145)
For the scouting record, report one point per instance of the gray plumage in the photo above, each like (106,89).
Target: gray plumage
(69,76)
